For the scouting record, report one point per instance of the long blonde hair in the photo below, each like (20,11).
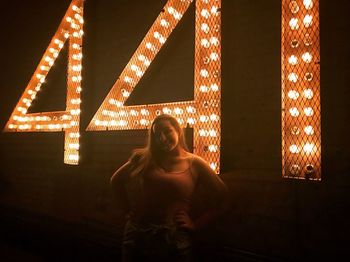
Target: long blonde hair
(141,158)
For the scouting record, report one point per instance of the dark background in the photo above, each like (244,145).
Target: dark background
(55,211)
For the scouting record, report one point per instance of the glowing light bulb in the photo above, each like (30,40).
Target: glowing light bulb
(74,146)
(44,68)
(205,13)
(205,43)
(177,15)
(204,73)
(191,109)
(214,40)
(307,57)
(144,122)
(307,20)
(48,58)
(293,23)
(214,10)
(164,23)
(293,77)
(150,46)
(203,118)
(191,121)
(214,117)
(134,67)
(294,149)
(57,41)
(309,147)
(212,133)
(73,157)
(293,60)
(213,166)
(75,112)
(309,130)
(308,4)
(294,111)
(214,87)
(144,112)
(141,57)
(76,46)
(292,94)
(308,93)
(205,28)
(167,111)
(147,62)
(203,88)
(213,148)
(308,111)
(178,111)
(78,56)
(214,56)
(133,112)
(76,68)
(128,79)
(76,9)
(125,93)
(202,132)
(76,101)
(170,10)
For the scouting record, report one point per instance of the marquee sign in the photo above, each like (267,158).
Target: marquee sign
(301,135)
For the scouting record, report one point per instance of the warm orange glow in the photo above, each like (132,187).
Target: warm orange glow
(203,113)
(68,120)
(301,112)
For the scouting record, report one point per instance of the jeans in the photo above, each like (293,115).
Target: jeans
(155,242)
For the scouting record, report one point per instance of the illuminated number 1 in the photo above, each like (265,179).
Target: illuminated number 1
(203,113)
(301,109)
(71,27)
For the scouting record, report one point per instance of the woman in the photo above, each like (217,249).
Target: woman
(156,187)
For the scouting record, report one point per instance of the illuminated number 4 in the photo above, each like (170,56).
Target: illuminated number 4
(203,113)
(68,120)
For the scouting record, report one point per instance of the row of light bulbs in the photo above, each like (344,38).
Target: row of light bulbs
(307,148)
(301,131)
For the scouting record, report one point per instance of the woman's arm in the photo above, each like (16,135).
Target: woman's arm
(117,182)
(215,193)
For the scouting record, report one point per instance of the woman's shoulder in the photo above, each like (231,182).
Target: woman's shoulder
(123,172)
(199,164)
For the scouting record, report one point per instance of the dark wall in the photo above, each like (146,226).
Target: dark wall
(270,216)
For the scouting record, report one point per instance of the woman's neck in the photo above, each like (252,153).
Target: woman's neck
(171,156)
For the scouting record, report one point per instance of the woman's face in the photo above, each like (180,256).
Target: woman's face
(166,136)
